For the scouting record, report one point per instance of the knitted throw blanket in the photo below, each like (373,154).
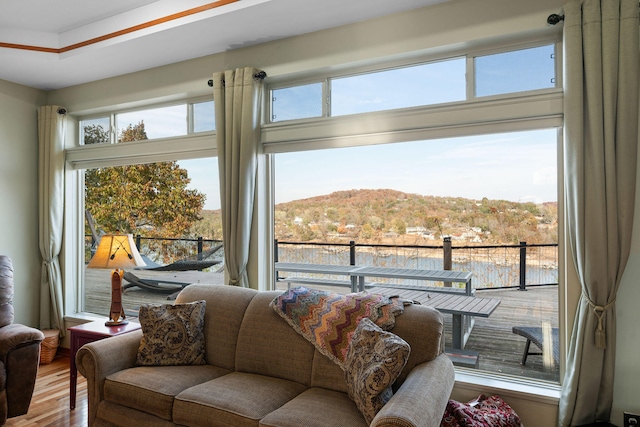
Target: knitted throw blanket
(328,320)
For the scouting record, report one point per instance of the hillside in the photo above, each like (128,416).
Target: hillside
(390,216)
(394,217)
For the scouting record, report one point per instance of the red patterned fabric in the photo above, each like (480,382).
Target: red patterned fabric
(481,412)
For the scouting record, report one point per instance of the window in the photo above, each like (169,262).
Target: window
(389,183)
(426,84)
(515,71)
(161,122)
(204,118)
(431,83)
(173,211)
(398,202)
(168,198)
(95,131)
(297,102)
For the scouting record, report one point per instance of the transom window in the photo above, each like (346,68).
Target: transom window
(431,83)
(159,122)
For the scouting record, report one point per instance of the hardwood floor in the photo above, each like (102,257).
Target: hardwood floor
(50,402)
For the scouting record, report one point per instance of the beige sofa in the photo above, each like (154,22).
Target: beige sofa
(259,372)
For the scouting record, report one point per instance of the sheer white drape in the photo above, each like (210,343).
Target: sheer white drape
(237,98)
(601,138)
(52,123)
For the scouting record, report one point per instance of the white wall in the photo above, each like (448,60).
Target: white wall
(19,194)
(452,24)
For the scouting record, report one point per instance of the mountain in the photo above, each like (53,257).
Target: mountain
(390,216)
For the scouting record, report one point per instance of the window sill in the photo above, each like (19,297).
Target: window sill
(518,388)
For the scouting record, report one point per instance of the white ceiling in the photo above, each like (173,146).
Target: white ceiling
(38,38)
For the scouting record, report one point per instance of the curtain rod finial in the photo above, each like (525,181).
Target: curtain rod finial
(554,19)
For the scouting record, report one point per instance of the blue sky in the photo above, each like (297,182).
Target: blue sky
(518,166)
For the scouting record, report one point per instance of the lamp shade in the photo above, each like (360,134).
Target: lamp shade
(116,251)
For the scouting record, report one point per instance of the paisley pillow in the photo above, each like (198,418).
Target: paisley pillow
(172,334)
(374,361)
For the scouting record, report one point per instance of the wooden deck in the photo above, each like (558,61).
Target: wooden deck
(499,348)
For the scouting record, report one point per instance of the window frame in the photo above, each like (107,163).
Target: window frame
(325,79)
(517,111)
(79,157)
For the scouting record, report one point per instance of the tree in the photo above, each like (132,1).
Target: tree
(147,199)
(95,134)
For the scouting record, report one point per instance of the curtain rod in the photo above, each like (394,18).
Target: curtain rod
(554,18)
(260,75)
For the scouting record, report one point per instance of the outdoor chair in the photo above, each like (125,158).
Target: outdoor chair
(533,334)
(198,263)
(153,285)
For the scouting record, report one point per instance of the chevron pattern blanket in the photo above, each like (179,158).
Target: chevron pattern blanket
(328,320)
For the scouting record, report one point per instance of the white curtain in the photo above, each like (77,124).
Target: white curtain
(601,138)
(52,123)
(237,98)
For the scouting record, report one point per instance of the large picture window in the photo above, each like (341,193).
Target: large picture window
(493,197)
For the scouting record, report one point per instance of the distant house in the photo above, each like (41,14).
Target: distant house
(416,230)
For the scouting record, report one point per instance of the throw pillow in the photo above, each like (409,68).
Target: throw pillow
(374,361)
(172,334)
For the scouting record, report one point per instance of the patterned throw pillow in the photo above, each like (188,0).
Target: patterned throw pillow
(172,334)
(374,360)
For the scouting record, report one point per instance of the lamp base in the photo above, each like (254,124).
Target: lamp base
(117,316)
(116,322)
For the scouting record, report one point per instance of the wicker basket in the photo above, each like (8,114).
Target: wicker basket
(49,346)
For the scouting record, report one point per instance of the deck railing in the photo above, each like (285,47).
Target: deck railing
(167,249)
(493,266)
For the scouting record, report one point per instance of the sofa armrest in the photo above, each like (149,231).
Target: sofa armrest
(422,398)
(16,335)
(98,359)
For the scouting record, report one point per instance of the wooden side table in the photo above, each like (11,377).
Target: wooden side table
(86,333)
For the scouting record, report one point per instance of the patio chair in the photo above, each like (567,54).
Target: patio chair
(186,264)
(533,334)
(153,285)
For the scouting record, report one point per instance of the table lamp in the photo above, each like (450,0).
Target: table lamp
(117,251)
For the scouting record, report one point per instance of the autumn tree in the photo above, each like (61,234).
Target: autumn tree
(147,199)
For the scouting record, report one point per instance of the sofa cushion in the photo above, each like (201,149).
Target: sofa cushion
(238,399)
(222,322)
(326,374)
(423,329)
(374,361)
(152,389)
(316,407)
(172,334)
(267,345)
